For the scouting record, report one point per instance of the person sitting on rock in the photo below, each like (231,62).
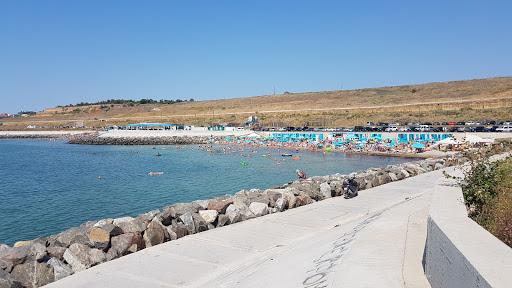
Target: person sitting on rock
(301,174)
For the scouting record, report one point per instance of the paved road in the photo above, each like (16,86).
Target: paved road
(374,240)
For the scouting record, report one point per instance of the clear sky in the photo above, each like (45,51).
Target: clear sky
(63,52)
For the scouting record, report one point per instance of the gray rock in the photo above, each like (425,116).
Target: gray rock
(289,195)
(281,204)
(247,197)
(325,189)
(302,200)
(124,244)
(180,230)
(222,220)
(179,209)
(131,225)
(60,270)
(203,203)
(199,223)
(33,274)
(233,214)
(37,251)
(273,195)
(188,220)
(336,187)
(103,222)
(6,281)
(219,205)
(12,256)
(73,235)
(393,176)
(56,251)
(154,234)
(171,233)
(258,209)
(209,215)
(81,257)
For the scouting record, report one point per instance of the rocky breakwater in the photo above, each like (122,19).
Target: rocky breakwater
(96,139)
(38,262)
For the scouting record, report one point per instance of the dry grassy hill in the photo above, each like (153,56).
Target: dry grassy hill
(447,101)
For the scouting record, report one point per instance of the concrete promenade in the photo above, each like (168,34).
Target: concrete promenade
(374,240)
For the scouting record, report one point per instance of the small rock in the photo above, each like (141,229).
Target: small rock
(209,215)
(14,256)
(60,270)
(37,251)
(258,209)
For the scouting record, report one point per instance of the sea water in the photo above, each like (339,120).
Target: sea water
(49,186)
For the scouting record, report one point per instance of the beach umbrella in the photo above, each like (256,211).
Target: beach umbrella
(447,141)
(418,145)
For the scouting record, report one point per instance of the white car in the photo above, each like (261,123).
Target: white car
(424,128)
(391,129)
(504,128)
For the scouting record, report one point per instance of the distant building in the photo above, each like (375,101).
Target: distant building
(5,115)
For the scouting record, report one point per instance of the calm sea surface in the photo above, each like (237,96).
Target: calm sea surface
(49,186)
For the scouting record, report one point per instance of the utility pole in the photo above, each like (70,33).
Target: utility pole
(274,86)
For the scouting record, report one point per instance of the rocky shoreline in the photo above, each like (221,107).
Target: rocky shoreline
(38,262)
(95,139)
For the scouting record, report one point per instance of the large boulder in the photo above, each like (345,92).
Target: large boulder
(154,234)
(56,251)
(325,189)
(6,281)
(219,205)
(130,225)
(336,187)
(60,270)
(81,257)
(73,235)
(258,209)
(210,215)
(281,204)
(222,220)
(180,230)
(11,257)
(309,188)
(188,220)
(124,244)
(245,197)
(199,223)
(302,200)
(273,195)
(233,213)
(33,274)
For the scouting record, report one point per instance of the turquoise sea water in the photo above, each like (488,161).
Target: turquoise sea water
(49,186)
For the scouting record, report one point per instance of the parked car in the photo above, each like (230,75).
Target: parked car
(504,128)
(424,128)
(391,128)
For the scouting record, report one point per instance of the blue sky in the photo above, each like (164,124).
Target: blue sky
(62,52)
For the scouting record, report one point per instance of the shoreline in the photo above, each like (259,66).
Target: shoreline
(96,242)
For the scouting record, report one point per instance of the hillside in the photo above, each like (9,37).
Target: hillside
(445,101)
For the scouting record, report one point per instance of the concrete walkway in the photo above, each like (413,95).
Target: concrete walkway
(374,240)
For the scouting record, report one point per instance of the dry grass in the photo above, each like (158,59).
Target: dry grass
(449,101)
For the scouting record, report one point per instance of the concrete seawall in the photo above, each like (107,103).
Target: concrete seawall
(459,253)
